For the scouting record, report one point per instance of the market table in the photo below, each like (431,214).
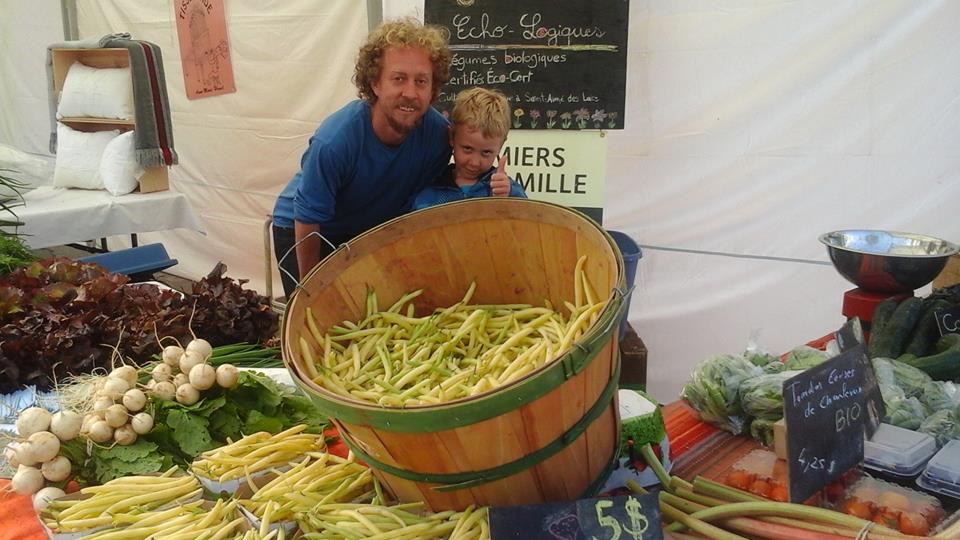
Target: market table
(56,216)
(18,520)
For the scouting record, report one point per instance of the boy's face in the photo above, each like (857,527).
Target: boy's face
(473,152)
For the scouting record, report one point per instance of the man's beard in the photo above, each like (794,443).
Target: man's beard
(405,129)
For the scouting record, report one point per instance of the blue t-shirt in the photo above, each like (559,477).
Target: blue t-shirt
(349,181)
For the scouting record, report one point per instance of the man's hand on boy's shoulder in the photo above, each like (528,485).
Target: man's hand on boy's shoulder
(499,181)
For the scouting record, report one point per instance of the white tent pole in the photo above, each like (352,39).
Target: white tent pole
(68,10)
(374,14)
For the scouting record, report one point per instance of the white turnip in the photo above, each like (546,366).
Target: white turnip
(180,379)
(125,435)
(162,372)
(127,373)
(27,481)
(227,375)
(43,497)
(165,391)
(134,399)
(190,359)
(43,445)
(200,346)
(102,403)
(203,376)
(171,355)
(100,432)
(66,425)
(114,387)
(116,415)
(88,421)
(142,423)
(10,454)
(25,454)
(187,394)
(57,469)
(33,420)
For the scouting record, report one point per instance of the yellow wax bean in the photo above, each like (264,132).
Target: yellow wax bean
(312,326)
(307,351)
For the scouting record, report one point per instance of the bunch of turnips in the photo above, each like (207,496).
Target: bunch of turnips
(35,454)
(184,373)
(119,414)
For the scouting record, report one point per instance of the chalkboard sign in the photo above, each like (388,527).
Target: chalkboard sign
(632,517)
(562,65)
(825,408)
(948,320)
(848,337)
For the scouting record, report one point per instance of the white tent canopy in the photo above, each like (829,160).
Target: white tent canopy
(751,128)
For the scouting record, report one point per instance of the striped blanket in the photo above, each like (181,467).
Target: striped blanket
(153,133)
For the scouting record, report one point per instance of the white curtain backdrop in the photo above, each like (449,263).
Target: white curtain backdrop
(752,127)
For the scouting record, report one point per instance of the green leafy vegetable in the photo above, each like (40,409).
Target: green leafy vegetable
(713,390)
(804,357)
(762,396)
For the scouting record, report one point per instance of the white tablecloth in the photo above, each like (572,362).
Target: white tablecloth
(56,216)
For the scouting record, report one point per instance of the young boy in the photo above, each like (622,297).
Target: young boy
(480,121)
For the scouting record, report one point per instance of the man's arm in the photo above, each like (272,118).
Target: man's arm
(308,251)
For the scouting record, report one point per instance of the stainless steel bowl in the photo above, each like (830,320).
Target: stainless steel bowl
(887,261)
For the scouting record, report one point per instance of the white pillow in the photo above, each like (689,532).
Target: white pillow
(78,157)
(101,93)
(119,170)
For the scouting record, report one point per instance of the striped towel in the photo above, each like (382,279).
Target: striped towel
(153,135)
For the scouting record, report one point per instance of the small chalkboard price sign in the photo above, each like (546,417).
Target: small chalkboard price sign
(826,410)
(632,517)
(948,320)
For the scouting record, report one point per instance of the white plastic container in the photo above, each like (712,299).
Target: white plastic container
(942,474)
(899,452)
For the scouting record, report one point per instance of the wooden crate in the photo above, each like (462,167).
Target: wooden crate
(633,361)
(154,178)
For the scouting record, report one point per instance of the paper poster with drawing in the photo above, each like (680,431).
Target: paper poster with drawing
(204,49)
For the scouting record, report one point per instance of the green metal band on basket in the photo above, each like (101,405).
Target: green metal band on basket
(513,396)
(464,480)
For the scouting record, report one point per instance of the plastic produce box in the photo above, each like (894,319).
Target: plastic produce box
(898,452)
(942,474)
(760,473)
(893,506)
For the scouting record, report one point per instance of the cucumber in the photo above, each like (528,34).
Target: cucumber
(925,335)
(892,337)
(942,366)
(882,314)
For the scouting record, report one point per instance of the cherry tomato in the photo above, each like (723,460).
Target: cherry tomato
(856,507)
(913,523)
(739,479)
(779,493)
(761,488)
(887,519)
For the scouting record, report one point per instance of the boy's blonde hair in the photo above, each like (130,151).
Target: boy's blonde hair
(483,109)
(406,32)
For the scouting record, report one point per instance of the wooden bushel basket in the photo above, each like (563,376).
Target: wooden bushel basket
(549,436)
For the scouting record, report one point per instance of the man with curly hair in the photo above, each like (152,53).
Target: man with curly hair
(366,161)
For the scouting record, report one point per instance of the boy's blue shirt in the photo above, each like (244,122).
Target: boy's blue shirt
(446,190)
